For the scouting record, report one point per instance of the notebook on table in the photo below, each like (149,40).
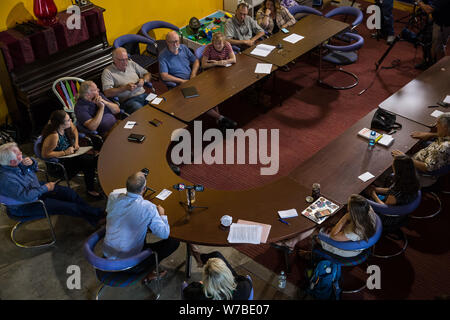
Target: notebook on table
(189,92)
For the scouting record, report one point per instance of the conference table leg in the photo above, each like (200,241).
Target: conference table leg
(188,262)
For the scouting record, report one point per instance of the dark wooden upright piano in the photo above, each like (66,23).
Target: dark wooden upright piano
(33,57)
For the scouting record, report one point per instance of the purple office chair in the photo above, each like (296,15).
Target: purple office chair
(159,45)
(305,10)
(29,211)
(346,10)
(113,272)
(393,217)
(430,190)
(318,253)
(342,55)
(131,43)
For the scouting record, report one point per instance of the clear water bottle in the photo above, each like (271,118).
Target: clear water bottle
(282,280)
(372,137)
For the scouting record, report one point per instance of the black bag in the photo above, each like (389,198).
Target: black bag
(384,120)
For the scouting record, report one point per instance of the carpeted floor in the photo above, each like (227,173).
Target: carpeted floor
(308,119)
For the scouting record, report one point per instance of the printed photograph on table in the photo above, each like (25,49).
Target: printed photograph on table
(320,210)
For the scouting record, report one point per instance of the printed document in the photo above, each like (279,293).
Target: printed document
(293,38)
(263,68)
(244,233)
(262,50)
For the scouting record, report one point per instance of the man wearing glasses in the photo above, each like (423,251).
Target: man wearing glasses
(242,30)
(125,79)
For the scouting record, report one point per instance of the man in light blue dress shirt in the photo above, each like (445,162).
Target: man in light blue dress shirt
(129,217)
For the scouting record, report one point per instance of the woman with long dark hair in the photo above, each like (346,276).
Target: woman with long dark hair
(60,138)
(405,184)
(273,17)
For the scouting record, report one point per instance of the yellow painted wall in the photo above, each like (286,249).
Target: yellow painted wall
(121,17)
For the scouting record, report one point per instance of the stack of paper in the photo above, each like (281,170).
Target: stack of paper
(244,233)
(285,214)
(263,68)
(366,176)
(130,124)
(262,50)
(293,38)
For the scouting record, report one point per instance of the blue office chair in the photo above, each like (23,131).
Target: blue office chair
(346,10)
(159,45)
(318,253)
(199,52)
(303,9)
(36,211)
(113,272)
(436,176)
(250,297)
(131,43)
(340,56)
(397,216)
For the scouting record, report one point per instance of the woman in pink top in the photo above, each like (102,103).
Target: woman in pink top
(218,53)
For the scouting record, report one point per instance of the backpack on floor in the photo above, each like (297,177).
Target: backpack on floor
(324,282)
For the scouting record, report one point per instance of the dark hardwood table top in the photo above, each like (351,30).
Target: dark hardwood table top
(413,99)
(120,158)
(214,86)
(337,166)
(314,29)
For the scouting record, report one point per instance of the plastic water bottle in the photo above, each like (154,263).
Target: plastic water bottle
(373,134)
(282,280)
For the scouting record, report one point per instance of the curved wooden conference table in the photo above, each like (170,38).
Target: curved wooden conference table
(120,158)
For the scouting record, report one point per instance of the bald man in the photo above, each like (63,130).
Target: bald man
(176,60)
(125,79)
(175,66)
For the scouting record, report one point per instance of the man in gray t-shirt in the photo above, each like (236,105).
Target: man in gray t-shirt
(125,79)
(242,30)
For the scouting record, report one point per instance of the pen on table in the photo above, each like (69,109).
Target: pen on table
(379,137)
(281,220)
(392,132)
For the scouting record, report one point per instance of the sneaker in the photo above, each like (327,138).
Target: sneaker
(390,39)
(227,123)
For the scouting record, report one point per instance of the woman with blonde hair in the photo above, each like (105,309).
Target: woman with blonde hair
(218,53)
(219,282)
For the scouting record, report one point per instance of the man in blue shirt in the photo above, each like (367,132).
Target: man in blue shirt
(94,111)
(175,67)
(128,220)
(18,181)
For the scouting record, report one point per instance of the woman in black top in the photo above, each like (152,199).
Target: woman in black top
(405,186)
(60,138)
(220,281)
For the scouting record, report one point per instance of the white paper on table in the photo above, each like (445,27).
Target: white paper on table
(293,38)
(157,101)
(228,65)
(164,194)
(436,113)
(259,52)
(263,68)
(447,99)
(244,233)
(284,214)
(262,50)
(386,140)
(151,96)
(118,191)
(366,176)
(130,124)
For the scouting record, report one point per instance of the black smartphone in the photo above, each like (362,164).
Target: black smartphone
(136,137)
(145,171)
(155,122)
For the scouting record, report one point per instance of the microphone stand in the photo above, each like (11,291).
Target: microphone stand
(188,206)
